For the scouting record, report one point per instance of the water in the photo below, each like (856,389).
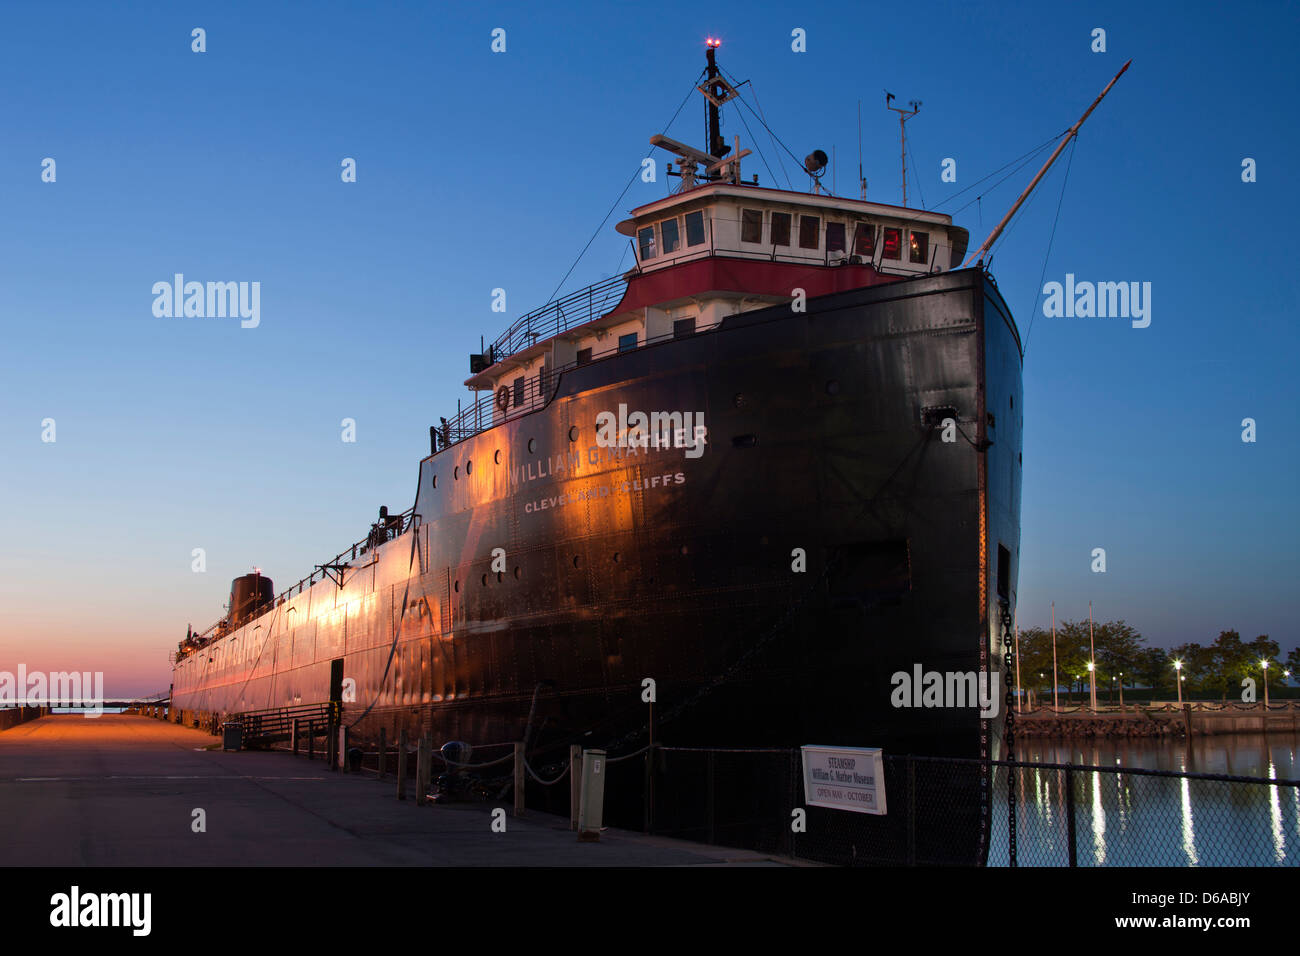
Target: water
(1126,819)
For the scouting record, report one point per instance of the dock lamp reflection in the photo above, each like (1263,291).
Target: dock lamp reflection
(1264,664)
(1178,679)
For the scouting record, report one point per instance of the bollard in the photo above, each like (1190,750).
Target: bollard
(575,783)
(519,778)
(423,759)
(383,750)
(591,805)
(311,740)
(401,765)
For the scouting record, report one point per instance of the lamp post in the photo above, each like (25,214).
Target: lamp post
(1178,679)
(1264,664)
(1092,656)
(1121,690)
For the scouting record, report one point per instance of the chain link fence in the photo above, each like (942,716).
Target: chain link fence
(954,812)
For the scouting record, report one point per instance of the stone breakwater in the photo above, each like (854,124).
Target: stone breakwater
(1161,721)
(1100,725)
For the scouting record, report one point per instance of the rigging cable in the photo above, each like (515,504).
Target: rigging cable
(1025,161)
(754,139)
(771,135)
(619,199)
(1033,152)
(916,173)
(798,162)
(1034,308)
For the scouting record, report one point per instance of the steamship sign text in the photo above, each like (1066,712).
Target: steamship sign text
(844,778)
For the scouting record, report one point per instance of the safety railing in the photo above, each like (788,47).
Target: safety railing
(396,526)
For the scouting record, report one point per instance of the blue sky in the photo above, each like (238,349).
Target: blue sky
(479,170)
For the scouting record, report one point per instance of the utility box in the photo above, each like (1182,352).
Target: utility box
(591,803)
(232,735)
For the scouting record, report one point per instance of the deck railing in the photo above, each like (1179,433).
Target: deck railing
(397,525)
(564,313)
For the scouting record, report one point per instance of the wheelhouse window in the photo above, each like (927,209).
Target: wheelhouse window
(683,327)
(780,229)
(893,243)
(518,387)
(584,356)
(835,238)
(751,225)
(670,235)
(810,228)
(919,247)
(646,242)
(864,240)
(627,343)
(695,228)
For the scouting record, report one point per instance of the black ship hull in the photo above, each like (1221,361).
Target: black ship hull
(832,534)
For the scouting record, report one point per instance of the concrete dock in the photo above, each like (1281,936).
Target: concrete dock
(122,790)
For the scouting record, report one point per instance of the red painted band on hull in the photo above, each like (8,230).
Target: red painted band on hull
(744,276)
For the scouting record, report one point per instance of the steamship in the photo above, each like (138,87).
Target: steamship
(770,466)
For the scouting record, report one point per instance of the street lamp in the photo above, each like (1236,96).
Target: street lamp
(1178,679)
(1092,652)
(1092,684)
(1264,664)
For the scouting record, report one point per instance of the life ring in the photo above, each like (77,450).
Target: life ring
(503,397)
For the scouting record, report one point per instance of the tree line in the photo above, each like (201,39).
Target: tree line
(1122,658)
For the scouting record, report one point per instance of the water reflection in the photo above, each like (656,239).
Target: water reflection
(1126,819)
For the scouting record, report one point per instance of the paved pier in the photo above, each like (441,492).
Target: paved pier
(120,790)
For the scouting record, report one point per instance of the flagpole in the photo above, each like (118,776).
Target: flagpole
(1055,705)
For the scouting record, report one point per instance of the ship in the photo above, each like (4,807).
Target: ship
(750,481)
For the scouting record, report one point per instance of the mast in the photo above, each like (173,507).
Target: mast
(717,147)
(1070,134)
(903,117)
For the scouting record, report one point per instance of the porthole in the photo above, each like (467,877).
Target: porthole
(516,572)
(532,445)
(616,557)
(485,580)
(469,467)
(573,433)
(577,561)
(455,473)
(435,481)
(500,577)
(497,456)
(457,587)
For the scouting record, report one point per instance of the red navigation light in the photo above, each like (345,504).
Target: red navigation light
(713,42)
